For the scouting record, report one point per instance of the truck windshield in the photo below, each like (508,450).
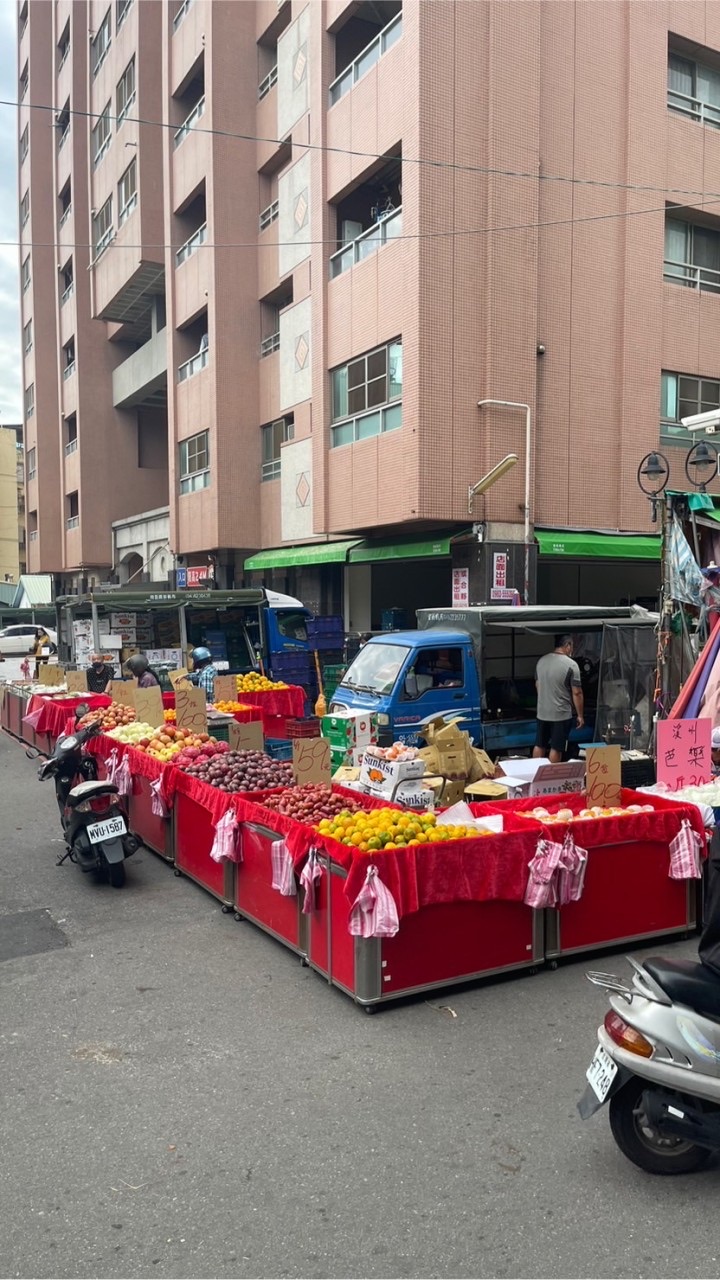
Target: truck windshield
(376,668)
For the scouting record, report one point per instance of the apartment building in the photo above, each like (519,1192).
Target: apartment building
(12,504)
(298,243)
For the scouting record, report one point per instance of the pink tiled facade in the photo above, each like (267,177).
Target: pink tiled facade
(532,151)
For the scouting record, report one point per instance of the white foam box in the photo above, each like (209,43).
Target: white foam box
(381,777)
(413,795)
(540,778)
(122,621)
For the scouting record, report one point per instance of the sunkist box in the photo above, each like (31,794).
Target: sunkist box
(382,777)
(351,731)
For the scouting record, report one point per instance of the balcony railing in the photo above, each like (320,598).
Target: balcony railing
(266,85)
(189,123)
(703,112)
(193,365)
(388,228)
(268,345)
(105,239)
(64,56)
(33,535)
(67,293)
(101,150)
(124,109)
(127,209)
(69,370)
(72,522)
(181,14)
(693,277)
(70,447)
(192,245)
(367,59)
(268,216)
(64,137)
(65,215)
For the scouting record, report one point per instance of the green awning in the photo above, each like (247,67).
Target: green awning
(599,546)
(410,548)
(315,553)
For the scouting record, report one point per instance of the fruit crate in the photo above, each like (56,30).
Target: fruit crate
(333,671)
(308,728)
(278,749)
(325,626)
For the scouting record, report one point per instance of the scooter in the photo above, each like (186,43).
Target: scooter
(657,1064)
(92,812)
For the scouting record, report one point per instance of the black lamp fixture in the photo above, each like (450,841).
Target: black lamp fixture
(701,465)
(652,477)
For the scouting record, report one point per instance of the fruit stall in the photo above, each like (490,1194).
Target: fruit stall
(385,901)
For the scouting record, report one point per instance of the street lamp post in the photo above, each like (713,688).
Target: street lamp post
(514,404)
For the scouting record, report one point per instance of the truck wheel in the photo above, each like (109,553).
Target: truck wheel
(641,1142)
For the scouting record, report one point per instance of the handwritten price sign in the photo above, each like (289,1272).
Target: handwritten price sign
(51,675)
(177,678)
(76,681)
(191,708)
(311,760)
(603,780)
(225,689)
(683,753)
(122,691)
(246,737)
(149,706)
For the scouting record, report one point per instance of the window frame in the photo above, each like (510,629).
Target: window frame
(671,429)
(25,275)
(104,239)
(279,432)
(349,424)
(130,204)
(25,208)
(31,462)
(29,400)
(128,98)
(191,476)
(28,337)
(122,8)
(105,31)
(24,144)
(100,146)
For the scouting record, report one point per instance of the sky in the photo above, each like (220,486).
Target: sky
(10,357)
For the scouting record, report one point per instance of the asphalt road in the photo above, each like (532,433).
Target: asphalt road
(181,1098)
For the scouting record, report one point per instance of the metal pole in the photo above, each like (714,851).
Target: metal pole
(183,633)
(95,627)
(515,404)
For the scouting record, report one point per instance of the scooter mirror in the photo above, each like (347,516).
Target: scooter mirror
(32,753)
(81,710)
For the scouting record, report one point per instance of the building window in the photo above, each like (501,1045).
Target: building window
(103,231)
(180,14)
(30,400)
(24,208)
(101,44)
(125,91)
(67,282)
(195,463)
(694,90)
(72,518)
(71,440)
(31,463)
(197,362)
(366,58)
(101,135)
(692,255)
(269,215)
(122,9)
(64,45)
(267,83)
(22,20)
(24,142)
(24,81)
(189,122)
(68,359)
(127,192)
(274,436)
(363,392)
(27,337)
(62,124)
(681,396)
(25,274)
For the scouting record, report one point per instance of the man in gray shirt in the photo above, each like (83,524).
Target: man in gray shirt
(558,684)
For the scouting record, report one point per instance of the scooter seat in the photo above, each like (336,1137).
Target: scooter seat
(88,790)
(687,983)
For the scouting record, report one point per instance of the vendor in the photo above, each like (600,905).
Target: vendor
(99,674)
(139,667)
(204,671)
(715,751)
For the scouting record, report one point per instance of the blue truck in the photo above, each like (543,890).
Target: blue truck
(479,663)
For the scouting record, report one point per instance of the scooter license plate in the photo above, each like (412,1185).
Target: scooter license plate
(100,831)
(601,1073)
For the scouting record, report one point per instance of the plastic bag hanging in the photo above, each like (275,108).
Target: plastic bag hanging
(283,870)
(374,913)
(33,719)
(311,872)
(685,854)
(157,800)
(122,777)
(570,875)
(541,889)
(224,848)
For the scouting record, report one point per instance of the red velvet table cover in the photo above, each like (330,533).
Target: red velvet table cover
(57,711)
(288,702)
(662,824)
(248,715)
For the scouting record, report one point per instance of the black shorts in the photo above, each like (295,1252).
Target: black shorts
(552,735)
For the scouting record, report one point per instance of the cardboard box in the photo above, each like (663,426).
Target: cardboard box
(382,777)
(477,792)
(349,731)
(123,621)
(540,778)
(415,795)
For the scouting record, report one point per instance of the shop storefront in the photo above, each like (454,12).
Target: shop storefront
(596,568)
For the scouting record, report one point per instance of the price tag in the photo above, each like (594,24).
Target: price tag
(76,681)
(246,737)
(684,756)
(311,760)
(603,776)
(51,675)
(149,706)
(191,708)
(122,692)
(177,677)
(225,689)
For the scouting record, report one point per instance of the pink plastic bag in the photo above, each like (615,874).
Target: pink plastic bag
(33,718)
(119,772)
(157,800)
(225,846)
(570,876)
(283,871)
(541,889)
(685,854)
(311,872)
(374,913)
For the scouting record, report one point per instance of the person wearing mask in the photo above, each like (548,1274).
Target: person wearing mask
(204,671)
(139,667)
(99,674)
(559,688)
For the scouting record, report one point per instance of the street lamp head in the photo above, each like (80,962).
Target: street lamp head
(701,464)
(654,469)
(491,478)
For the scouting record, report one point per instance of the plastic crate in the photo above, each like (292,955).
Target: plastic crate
(326,626)
(333,671)
(278,749)
(308,728)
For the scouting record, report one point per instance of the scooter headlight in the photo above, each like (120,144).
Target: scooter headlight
(627,1037)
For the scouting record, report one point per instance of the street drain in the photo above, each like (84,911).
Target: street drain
(28,933)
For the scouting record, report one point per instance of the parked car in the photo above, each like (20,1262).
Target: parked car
(20,638)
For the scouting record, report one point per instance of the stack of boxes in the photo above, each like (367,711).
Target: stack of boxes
(349,737)
(111,643)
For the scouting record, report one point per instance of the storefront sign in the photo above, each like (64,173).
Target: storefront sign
(603,776)
(198,574)
(460,588)
(683,753)
(499,570)
(508,594)
(311,760)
